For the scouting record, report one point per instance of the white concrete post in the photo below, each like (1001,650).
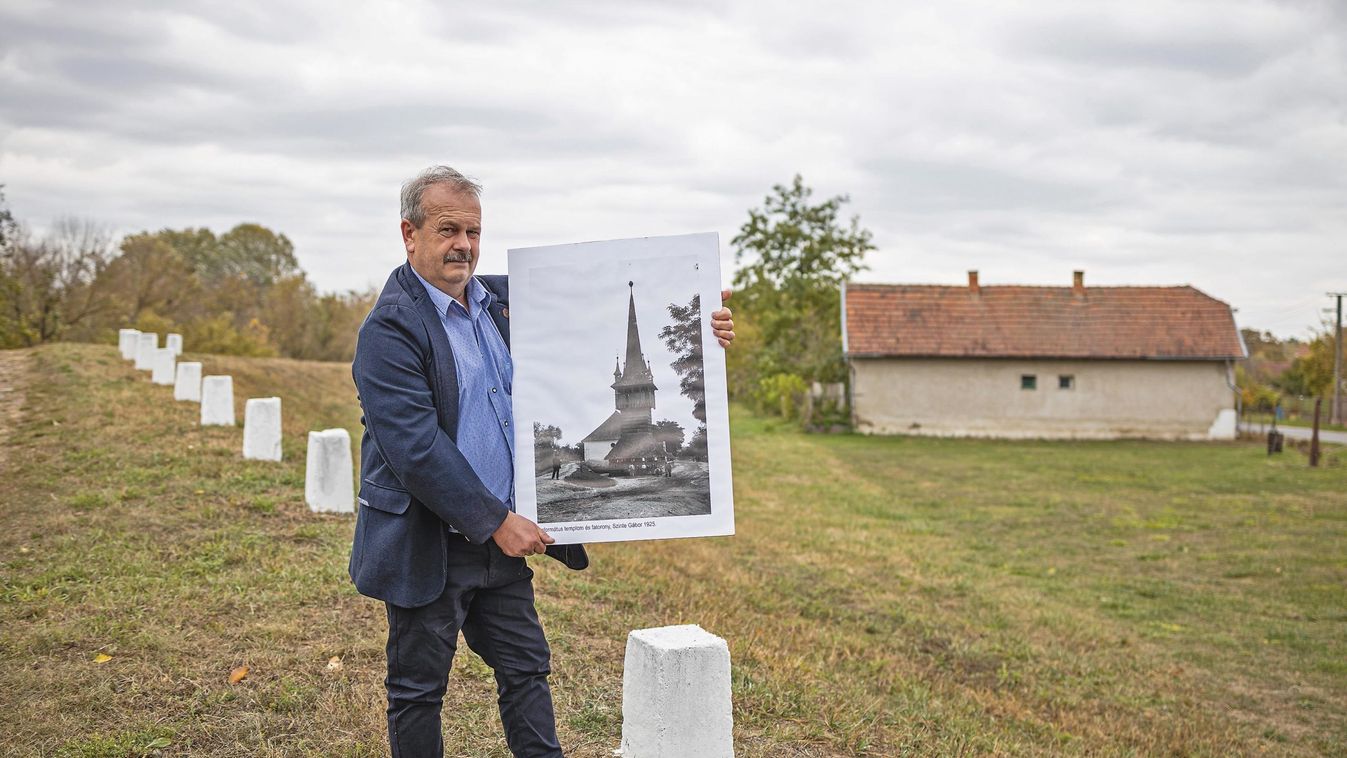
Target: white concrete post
(187,384)
(147,343)
(174,343)
(328,476)
(127,341)
(164,366)
(676,694)
(262,429)
(217,401)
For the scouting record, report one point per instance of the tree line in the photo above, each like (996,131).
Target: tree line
(1281,370)
(243,293)
(237,293)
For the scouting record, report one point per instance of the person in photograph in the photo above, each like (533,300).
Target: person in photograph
(436,536)
(556,464)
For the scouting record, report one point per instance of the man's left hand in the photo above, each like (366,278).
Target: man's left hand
(722,321)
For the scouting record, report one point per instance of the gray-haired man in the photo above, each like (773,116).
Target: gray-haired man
(436,537)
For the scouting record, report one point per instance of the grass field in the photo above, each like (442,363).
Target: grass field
(883,596)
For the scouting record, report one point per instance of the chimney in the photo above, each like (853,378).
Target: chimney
(1078,282)
(973,282)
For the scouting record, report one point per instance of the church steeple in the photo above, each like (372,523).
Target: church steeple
(634,354)
(636,371)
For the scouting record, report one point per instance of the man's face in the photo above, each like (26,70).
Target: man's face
(444,250)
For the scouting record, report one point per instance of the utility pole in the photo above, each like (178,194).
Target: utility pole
(1335,412)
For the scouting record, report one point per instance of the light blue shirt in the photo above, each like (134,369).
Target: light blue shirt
(485,383)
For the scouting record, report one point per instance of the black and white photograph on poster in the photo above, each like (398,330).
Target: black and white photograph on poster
(619,389)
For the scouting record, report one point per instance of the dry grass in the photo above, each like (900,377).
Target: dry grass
(882,597)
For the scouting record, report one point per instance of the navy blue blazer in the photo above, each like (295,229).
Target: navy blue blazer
(413,477)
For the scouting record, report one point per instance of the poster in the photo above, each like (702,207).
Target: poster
(621,417)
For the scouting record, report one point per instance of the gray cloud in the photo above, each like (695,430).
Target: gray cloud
(1146,141)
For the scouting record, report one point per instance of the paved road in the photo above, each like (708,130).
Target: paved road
(1299,433)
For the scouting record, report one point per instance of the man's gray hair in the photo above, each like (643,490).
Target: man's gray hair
(416,187)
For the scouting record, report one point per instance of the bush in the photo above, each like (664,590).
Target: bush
(781,394)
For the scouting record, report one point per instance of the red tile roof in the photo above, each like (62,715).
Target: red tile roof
(1165,323)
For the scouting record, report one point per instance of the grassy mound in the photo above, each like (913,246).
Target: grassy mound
(882,596)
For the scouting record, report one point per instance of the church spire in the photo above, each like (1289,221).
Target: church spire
(636,370)
(634,355)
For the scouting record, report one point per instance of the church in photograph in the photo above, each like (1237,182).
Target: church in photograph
(627,437)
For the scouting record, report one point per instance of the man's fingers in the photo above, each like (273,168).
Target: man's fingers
(725,295)
(547,538)
(724,314)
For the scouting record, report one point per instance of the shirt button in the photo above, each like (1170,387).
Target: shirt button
(507,423)
(493,390)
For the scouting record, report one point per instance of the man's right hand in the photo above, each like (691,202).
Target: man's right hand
(518,537)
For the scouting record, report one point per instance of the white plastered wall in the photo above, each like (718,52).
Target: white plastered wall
(983,398)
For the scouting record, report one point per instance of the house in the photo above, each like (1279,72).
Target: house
(1040,362)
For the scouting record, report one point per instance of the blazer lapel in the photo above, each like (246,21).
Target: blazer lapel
(444,373)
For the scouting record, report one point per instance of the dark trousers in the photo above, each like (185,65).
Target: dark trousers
(489,596)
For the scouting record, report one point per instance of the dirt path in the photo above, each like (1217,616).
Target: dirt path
(13,380)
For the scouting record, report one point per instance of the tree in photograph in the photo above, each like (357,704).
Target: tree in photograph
(793,256)
(683,336)
(546,436)
(670,435)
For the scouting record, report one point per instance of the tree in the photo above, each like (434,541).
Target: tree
(1311,375)
(793,257)
(683,337)
(9,228)
(151,276)
(257,254)
(52,284)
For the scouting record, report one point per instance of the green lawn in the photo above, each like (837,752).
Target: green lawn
(893,596)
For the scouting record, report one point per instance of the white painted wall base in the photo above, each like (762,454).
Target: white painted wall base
(262,429)
(187,384)
(217,401)
(147,343)
(1224,427)
(676,695)
(127,342)
(164,368)
(329,484)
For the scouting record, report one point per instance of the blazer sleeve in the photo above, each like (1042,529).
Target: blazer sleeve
(400,416)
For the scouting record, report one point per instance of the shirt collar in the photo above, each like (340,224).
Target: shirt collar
(479,297)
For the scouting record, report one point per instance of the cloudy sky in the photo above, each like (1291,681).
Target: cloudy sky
(1146,141)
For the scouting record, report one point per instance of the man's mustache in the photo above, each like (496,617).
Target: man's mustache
(458,258)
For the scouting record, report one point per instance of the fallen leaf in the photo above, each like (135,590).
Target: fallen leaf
(102,658)
(159,743)
(334,663)
(200,492)
(24,549)
(238,674)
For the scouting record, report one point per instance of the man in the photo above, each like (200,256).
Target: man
(436,537)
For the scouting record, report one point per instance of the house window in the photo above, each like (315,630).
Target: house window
(1066,382)
(1028,381)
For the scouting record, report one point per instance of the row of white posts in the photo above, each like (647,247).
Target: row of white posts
(676,679)
(329,474)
